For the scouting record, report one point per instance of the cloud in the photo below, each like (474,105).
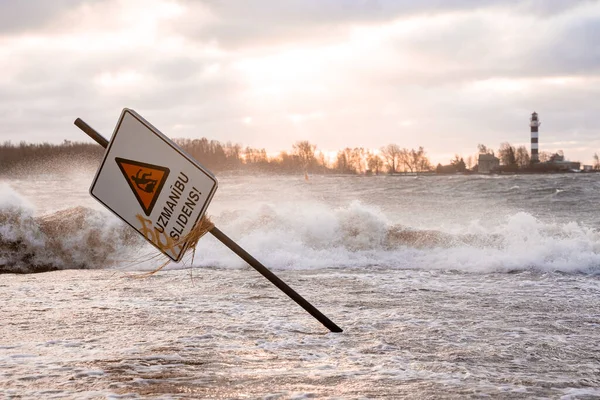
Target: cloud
(237,24)
(32,15)
(338,73)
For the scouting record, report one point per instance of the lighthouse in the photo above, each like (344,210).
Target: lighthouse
(534,123)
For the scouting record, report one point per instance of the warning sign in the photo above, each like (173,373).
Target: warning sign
(146,181)
(152,184)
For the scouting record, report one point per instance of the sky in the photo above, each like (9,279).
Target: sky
(442,74)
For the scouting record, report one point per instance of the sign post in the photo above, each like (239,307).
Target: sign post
(152,185)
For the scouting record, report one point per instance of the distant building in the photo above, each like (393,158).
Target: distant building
(487,163)
(557,163)
(567,165)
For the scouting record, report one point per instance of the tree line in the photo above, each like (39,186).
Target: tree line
(304,157)
(46,156)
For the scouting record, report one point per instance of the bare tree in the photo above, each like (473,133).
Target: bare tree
(469,162)
(522,157)
(356,158)
(506,154)
(375,163)
(322,163)
(305,151)
(420,160)
(404,160)
(255,156)
(286,162)
(344,163)
(458,163)
(391,154)
(544,156)
(483,149)
(232,153)
(414,160)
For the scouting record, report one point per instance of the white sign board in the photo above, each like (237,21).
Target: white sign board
(152,184)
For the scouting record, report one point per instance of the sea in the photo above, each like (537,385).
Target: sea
(446,287)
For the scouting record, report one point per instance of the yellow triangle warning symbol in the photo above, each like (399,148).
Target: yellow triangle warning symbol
(145,180)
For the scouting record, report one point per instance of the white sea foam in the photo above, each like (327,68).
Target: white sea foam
(357,235)
(9,198)
(298,231)
(72,238)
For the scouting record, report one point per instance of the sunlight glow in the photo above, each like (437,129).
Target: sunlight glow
(329,155)
(300,118)
(118,79)
(283,73)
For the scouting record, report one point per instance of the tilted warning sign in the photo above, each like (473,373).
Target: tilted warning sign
(152,184)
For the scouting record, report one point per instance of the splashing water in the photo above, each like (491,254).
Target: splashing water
(307,233)
(69,239)
(413,270)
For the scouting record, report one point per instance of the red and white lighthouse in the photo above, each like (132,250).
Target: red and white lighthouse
(534,123)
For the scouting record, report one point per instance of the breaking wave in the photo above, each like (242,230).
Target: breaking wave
(72,238)
(311,236)
(361,236)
